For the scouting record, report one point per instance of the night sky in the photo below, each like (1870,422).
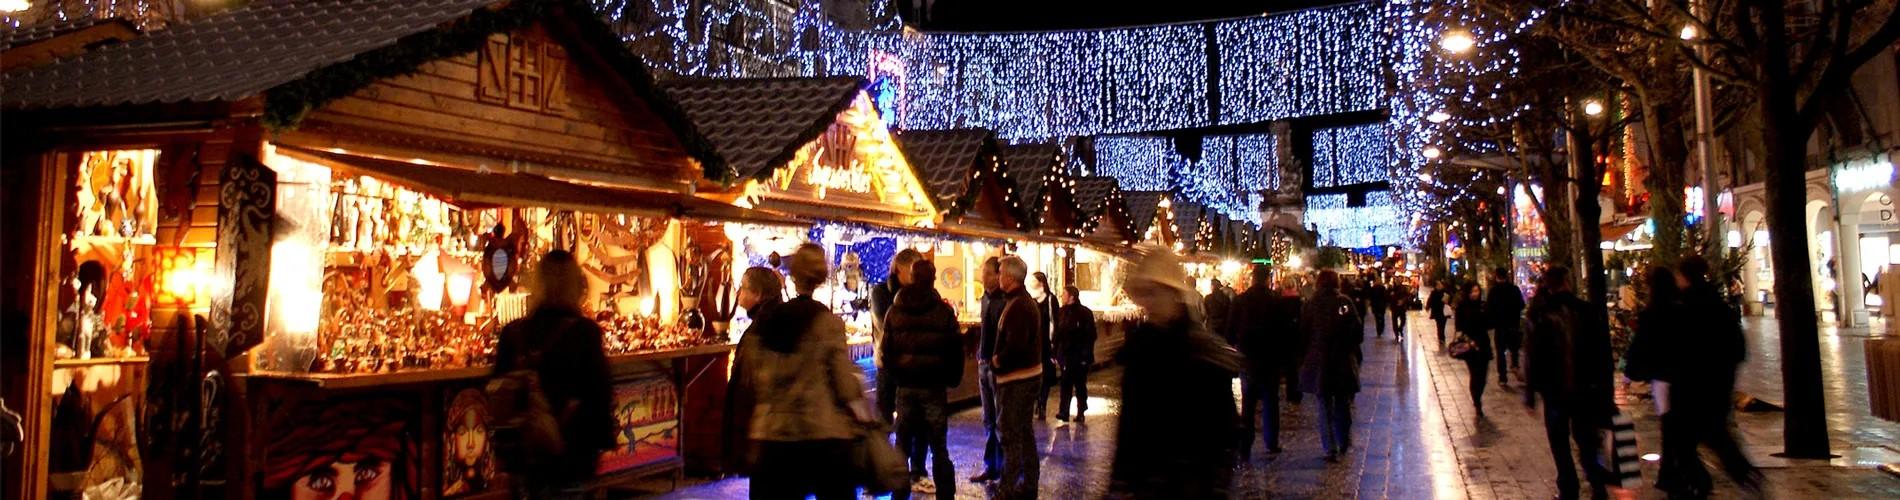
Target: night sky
(1015,15)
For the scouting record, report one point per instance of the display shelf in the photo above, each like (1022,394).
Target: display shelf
(407,377)
(73,363)
(92,240)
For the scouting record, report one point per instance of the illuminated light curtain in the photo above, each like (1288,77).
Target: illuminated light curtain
(1378,223)
(1231,170)
(1307,63)
(1346,156)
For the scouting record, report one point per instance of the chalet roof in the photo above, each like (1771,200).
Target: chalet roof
(28,35)
(758,124)
(943,159)
(1091,194)
(1030,165)
(1187,221)
(1142,206)
(230,55)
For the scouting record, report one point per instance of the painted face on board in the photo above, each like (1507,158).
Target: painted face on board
(364,480)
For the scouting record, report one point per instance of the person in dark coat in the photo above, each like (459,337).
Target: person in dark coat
(993,301)
(923,352)
(1688,343)
(1377,297)
(1046,305)
(1334,331)
(761,290)
(1505,306)
(881,297)
(565,349)
(1435,306)
(1075,353)
(1265,326)
(1568,364)
(1216,305)
(1401,305)
(1473,324)
(1176,434)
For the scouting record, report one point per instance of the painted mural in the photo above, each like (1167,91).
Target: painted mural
(362,449)
(646,424)
(468,463)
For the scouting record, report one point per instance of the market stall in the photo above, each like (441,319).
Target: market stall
(1047,191)
(1108,236)
(282,266)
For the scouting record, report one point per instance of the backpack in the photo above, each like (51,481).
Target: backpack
(526,435)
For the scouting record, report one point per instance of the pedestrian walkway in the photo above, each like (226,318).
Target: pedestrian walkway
(1416,436)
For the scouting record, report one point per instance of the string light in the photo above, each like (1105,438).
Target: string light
(1377,223)
(1345,156)
(1232,171)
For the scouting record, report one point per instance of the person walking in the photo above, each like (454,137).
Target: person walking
(810,400)
(1435,306)
(1376,299)
(1017,363)
(1474,325)
(1401,305)
(1505,305)
(1216,305)
(1176,434)
(881,297)
(1046,305)
(1692,370)
(1075,353)
(1265,326)
(993,301)
(761,290)
(1334,332)
(1567,364)
(924,353)
(558,352)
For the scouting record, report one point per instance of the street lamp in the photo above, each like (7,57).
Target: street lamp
(1457,42)
(1432,152)
(1439,116)
(1592,107)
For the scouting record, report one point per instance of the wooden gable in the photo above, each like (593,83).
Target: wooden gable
(1112,228)
(529,100)
(991,209)
(1060,215)
(853,171)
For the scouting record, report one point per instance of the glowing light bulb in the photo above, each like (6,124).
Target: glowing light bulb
(1592,107)
(1689,32)
(1438,117)
(1457,42)
(1432,152)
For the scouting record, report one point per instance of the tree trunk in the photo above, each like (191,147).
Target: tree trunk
(1669,154)
(1784,136)
(1588,210)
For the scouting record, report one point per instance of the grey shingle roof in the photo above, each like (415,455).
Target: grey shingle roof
(1142,206)
(1091,194)
(27,35)
(758,124)
(1030,165)
(1187,221)
(944,159)
(231,55)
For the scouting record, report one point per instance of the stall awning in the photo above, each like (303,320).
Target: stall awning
(1614,232)
(476,189)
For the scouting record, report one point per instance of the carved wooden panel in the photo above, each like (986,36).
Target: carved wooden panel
(525,70)
(246,206)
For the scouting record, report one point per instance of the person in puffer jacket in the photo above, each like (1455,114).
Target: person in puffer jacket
(923,353)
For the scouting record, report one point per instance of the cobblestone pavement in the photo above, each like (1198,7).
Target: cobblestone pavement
(1416,435)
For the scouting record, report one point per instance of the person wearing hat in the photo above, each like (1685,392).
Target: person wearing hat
(1176,435)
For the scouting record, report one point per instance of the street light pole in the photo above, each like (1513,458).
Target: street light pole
(1705,152)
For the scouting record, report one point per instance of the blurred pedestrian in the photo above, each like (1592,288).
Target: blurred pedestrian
(881,297)
(1216,305)
(1688,343)
(1075,353)
(761,290)
(1017,363)
(1176,434)
(1046,305)
(1505,305)
(1330,370)
(1401,305)
(810,400)
(1567,363)
(993,301)
(1265,326)
(1435,306)
(553,359)
(1377,298)
(1473,324)
(924,353)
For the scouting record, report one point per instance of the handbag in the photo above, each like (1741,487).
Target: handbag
(1619,449)
(880,468)
(1462,347)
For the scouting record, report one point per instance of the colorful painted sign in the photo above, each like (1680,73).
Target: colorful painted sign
(646,424)
(364,449)
(468,462)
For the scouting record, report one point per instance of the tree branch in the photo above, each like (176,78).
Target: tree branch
(1840,71)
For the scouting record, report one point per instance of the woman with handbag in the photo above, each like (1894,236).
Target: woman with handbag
(810,403)
(1473,345)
